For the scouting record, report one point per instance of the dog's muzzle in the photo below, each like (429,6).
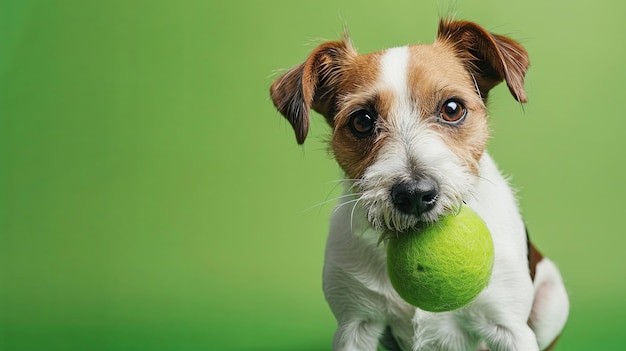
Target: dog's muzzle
(415,196)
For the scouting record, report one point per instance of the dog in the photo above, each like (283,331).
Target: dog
(409,130)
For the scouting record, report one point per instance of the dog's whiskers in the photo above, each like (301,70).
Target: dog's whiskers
(345,203)
(328,201)
(352,214)
(345,180)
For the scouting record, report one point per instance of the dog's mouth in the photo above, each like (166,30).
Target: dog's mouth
(419,224)
(388,218)
(391,220)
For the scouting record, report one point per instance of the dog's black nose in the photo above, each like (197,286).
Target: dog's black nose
(415,196)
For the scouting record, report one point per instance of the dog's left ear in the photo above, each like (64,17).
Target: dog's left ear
(311,85)
(491,58)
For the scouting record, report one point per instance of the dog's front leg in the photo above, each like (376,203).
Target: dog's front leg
(360,321)
(511,338)
(355,281)
(441,331)
(500,313)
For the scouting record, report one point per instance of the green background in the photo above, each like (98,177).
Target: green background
(151,197)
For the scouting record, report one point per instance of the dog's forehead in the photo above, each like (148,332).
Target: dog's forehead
(417,72)
(407,66)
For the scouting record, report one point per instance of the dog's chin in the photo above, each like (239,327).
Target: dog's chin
(391,222)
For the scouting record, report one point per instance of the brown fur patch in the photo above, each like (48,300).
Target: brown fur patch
(356,92)
(491,57)
(437,75)
(534,257)
(312,85)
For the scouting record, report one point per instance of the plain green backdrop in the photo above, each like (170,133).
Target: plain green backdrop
(151,198)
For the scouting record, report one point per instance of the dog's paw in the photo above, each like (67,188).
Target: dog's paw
(441,332)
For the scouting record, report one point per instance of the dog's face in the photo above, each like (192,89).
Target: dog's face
(410,123)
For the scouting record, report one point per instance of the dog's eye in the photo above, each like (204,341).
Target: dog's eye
(362,123)
(452,111)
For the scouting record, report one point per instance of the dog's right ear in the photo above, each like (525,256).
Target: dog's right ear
(312,85)
(490,57)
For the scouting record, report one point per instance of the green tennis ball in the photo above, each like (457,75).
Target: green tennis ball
(443,266)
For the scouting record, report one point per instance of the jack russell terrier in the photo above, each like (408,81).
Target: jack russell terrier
(409,130)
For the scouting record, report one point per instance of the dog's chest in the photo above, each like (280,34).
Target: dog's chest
(358,261)
(375,278)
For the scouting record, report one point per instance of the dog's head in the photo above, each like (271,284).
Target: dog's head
(409,123)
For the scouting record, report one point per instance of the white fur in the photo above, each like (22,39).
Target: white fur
(355,281)
(358,290)
(551,306)
(393,70)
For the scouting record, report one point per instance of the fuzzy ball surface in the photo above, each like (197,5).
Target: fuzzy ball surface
(444,266)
